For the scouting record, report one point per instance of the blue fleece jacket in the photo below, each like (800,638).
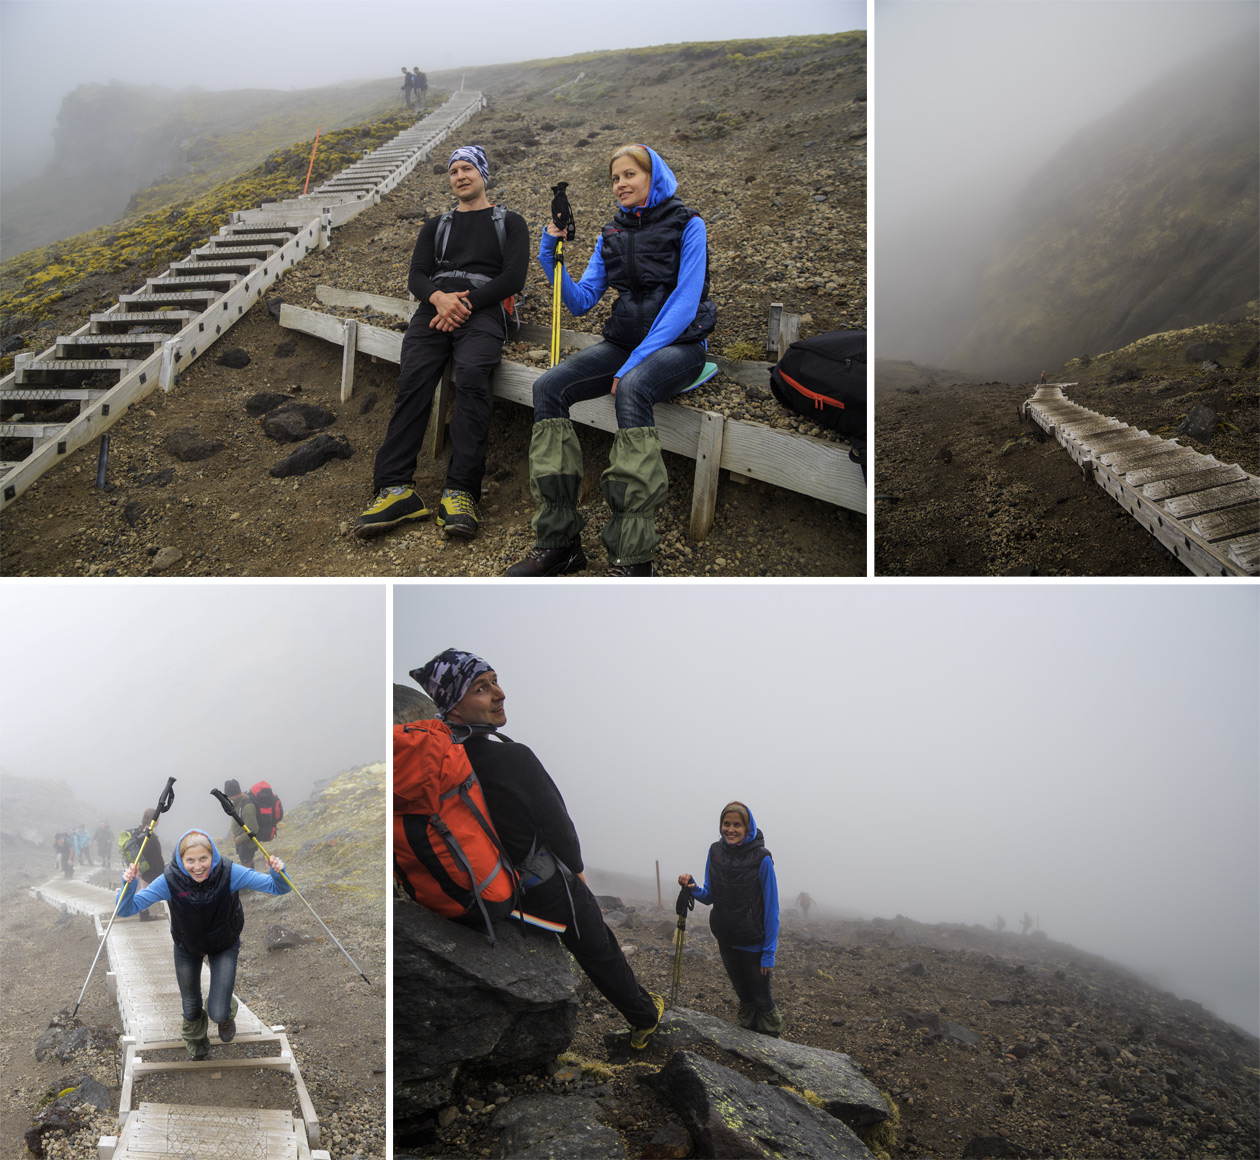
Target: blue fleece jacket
(680,307)
(241,878)
(769,893)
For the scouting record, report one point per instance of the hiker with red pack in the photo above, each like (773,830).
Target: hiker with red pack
(538,848)
(259,809)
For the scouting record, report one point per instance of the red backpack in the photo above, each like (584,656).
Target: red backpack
(270,810)
(447,855)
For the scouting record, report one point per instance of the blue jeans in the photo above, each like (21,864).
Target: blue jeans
(222,980)
(589,374)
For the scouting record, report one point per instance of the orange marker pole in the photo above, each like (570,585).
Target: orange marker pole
(310,167)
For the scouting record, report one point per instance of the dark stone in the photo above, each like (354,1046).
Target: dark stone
(1142,1119)
(279,937)
(158,478)
(609,902)
(945,455)
(369,401)
(292,421)
(133,511)
(273,307)
(470,1011)
(263,402)
(12,343)
(670,1143)
(999,1001)
(940,1028)
(87,1091)
(312,454)
(54,1118)
(554,1127)
(46,1044)
(1019,1050)
(187,446)
(1200,423)
(979,1147)
(234,357)
(831,1075)
(287,349)
(412,705)
(730,1116)
(1105,1050)
(913,968)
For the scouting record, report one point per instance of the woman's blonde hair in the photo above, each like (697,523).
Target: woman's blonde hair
(195,838)
(641,157)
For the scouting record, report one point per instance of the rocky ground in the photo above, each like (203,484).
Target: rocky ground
(963,489)
(335,1021)
(773,155)
(1045,1050)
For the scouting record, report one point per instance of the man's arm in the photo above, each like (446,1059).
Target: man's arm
(551,816)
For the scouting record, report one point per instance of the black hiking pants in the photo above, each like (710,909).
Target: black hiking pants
(477,348)
(593,945)
(743,968)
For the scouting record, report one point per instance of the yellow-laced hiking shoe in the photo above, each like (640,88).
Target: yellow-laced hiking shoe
(457,514)
(392,506)
(639,1036)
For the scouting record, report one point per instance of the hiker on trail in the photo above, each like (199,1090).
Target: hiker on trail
(248,810)
(461,277)
(536,831)
(407,85)
(63,848)
(804,901)
(152,861)
(420,83)
(1026,922)
(104,843)
(654,253)
(83,845)
(200,889)
(740,885)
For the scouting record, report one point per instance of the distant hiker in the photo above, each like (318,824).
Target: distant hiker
(152,860)
(104,843)
(1043,377)
(1000,923)
(465,264)
(246,807)
(654,253)
(63,848)
(407,86)
(206,923)
(1026,922)
(804,902)
(536,831)
(83,845)
(420,83)
(740,885)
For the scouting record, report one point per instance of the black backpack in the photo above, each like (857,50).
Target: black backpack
(824,379)
(498,215)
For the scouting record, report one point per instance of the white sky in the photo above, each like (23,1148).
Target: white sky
(947,752)
(972,97)
(113,688)
(48,47)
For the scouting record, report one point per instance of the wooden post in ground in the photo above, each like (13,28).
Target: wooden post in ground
(708,470)
(351,345)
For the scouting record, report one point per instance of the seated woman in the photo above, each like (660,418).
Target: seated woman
(654,253)
(206,923)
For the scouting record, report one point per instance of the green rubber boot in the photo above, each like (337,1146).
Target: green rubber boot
(769,1022)
(194,1035)
(747,1015)
(555,477)
(634,485)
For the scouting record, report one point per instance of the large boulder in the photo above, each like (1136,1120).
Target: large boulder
(463,1008)
(555,1127)
(412,705)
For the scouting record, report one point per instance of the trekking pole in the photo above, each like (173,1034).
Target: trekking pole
(685,903)
(562,217)
(226,803)
(164,804)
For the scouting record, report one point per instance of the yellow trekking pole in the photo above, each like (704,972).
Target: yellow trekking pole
(164,804)
(226,803)
(562,217)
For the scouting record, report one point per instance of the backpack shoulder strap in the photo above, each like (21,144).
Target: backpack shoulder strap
(498,215)
(439,239)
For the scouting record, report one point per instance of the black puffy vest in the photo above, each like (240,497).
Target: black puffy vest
(642,254)
(206,917)
(738,917)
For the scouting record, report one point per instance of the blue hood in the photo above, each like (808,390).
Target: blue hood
(176,862)
(752,826)
(664,183)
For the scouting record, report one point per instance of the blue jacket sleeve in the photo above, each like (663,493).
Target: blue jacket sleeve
(770,892)
(578,297)
(133,901)
(680,307)
(703,893)
(243,878)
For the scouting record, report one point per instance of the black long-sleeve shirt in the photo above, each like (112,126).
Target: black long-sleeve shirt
(472,245)
(523,800)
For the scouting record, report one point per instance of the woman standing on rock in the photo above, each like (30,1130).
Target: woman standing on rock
(654,253)
(740,885)
(206,923)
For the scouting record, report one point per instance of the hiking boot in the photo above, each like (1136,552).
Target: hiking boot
(646,569)
(639,1036)
(550,562)
(227,1031)
(457,514)
(391,507)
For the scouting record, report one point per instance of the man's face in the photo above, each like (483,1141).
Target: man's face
(466,181)
(482,704)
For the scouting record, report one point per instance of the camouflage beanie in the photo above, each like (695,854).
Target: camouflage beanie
(475,156)
(447,676)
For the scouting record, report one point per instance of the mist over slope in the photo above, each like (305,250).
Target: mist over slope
(1145,222)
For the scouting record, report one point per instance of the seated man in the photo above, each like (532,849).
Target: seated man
(466,262)
(536,831)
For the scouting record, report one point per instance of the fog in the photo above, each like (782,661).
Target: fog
(47,49)
(114,688)
(946,752)
(970,99)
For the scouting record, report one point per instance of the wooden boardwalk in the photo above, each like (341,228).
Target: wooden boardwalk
(141,980)
(1206,513)
(145,339)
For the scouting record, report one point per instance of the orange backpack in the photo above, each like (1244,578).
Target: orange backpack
(447,856)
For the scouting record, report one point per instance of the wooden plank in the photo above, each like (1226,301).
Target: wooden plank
(1111,440)
(1147,455)
(708,472)
(1170,470)
(1194,481)
(398,307)
(1228,524)
(1245,552)
(1215,498)
(796,462)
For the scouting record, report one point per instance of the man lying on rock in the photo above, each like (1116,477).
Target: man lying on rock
(466,262)
(536,831)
